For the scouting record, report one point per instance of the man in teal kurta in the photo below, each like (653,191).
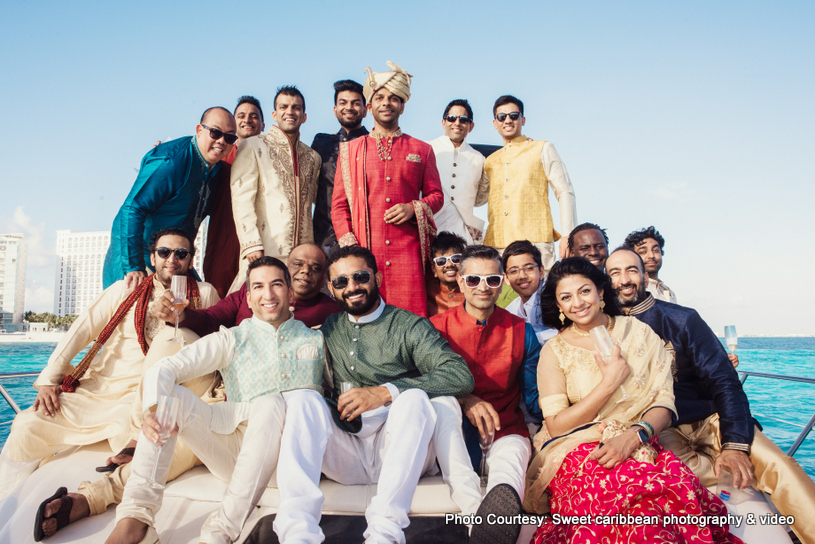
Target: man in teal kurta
(174,188)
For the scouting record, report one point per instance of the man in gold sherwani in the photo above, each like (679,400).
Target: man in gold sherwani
(274,184)
(520,175)
(92,402)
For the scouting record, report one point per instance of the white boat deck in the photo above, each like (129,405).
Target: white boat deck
(192,497)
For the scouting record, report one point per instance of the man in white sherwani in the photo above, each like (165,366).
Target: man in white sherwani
(461,169)
(274,184)
(271,364)
(82,405)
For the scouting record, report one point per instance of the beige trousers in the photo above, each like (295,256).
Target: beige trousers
(791,489)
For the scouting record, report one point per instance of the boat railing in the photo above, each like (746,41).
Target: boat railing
(805,429)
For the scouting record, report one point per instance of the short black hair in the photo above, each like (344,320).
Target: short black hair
(246,99)
(347,85)
(266,260)
(170,231)
(481,252)
(507,99)
(631,249)
(573,266)
(459,102)
(522,247)
(586,226)
(636,237)
(206,113)
(445,241)
(289,90)
(352,251)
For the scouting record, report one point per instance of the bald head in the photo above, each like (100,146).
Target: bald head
(307,267)
(216,127)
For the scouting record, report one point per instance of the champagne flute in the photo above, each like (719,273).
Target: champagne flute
(603,344)
(166,416)
(731,338)
(179,291)
(486,443)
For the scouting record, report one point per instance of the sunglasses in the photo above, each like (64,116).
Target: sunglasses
(474,280)
(181,253)
(452,119)
(360,277)
(216,134)
(442,261)
(515,115)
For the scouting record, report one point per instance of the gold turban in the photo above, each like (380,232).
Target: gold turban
(396,81)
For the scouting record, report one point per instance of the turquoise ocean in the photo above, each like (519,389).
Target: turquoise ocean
(781,407)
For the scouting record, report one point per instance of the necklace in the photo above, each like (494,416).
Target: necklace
(578,332)
(383,150)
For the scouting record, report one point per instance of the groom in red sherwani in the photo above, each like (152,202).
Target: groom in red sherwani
(386,191)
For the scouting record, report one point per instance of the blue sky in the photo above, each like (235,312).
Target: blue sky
(696,117)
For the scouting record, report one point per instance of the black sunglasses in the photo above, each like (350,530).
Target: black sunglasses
(360,277)
(216,134)
(181,253)
(452,119)
(515,115)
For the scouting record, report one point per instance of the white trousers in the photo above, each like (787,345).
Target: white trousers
(507,458)
(246,458)
(392,450)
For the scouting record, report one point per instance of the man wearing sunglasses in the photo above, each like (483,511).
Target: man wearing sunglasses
(174,188)
(396,362)
(274,185)
(461,169)
(502,352)
(350,110)
(520,175)
(91,401)
(386,191)
(443,292)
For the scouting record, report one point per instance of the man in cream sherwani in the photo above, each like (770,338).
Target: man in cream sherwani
(274,184)
(463,180)
(271,364)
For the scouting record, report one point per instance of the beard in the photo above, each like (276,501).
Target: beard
(362,306)
(629,302)
(348,125)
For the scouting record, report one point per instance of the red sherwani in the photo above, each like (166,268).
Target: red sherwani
(375,186)
(223,248)
(494,352)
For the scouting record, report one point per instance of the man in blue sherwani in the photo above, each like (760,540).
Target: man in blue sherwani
(174,188)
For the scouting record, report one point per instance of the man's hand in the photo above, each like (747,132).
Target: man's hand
(152,430)
(164,308)
(563,247)
(734,359)
(254,255)
(47,400)
(740,465)
(133,279)
(610,453)
(399,213)
(481,414)
(361,399)
(615,371)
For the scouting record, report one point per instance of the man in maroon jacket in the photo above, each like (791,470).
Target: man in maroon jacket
(309,305)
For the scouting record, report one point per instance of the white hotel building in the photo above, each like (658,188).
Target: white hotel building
(12,279)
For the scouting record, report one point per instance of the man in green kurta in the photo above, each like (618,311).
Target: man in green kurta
(395,362)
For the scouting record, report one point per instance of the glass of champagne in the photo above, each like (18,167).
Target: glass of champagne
(179,290)
(603,344)
(485,442)
(731,338)
(166,416)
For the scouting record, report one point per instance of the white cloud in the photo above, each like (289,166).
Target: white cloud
(38,256)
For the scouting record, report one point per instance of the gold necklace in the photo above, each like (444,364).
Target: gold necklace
(383,150)
(578,332)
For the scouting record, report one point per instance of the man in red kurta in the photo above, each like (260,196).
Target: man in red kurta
(502,353)
(386,191)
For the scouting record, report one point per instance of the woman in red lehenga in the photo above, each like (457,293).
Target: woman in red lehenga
(597,464)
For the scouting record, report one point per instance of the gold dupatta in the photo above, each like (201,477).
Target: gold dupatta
(567,374)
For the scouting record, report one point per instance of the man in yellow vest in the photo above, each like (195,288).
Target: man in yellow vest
(520,175)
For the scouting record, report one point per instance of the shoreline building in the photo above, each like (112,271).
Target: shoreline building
(80,258)
(13,251)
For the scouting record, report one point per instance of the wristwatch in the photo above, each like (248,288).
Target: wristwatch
(642,435)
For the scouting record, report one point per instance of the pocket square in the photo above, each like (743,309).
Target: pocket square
(414,157)
(308,352)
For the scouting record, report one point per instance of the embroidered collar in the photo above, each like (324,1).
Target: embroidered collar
(518,140)
(268,327)
(202,163)
(376,135)
(356,133)
(370,317)
(643,306)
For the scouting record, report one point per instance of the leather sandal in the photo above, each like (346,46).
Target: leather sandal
(63,515)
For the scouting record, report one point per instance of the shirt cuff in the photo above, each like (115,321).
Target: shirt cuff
(394,391)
